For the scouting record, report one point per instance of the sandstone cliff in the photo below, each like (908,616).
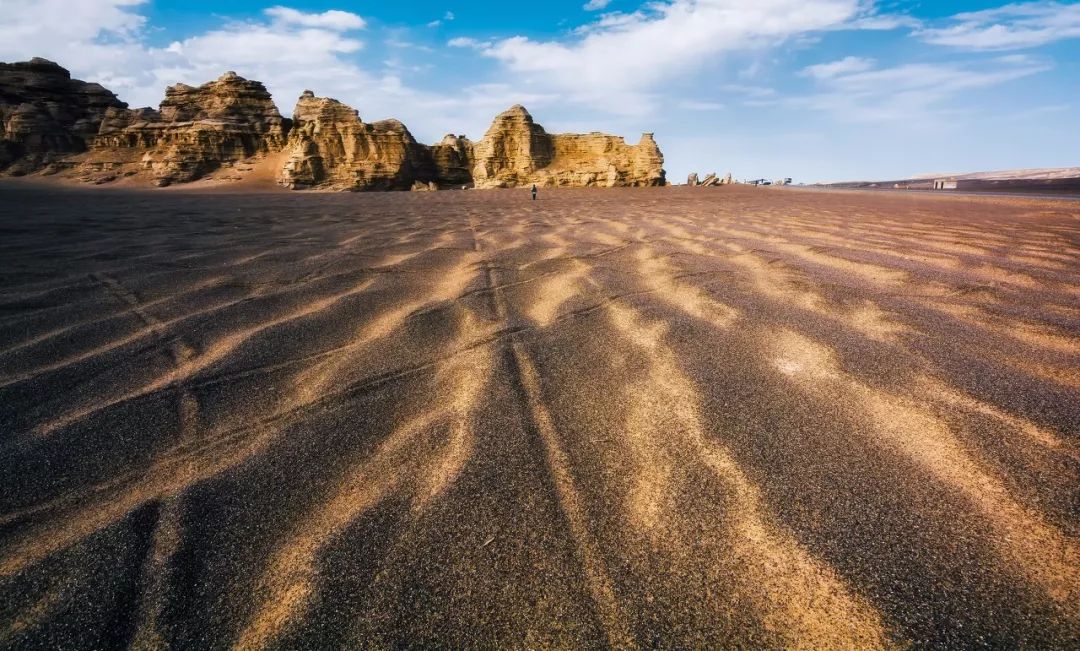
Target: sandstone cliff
(330,146)
(194,132)
(453,159)
(511,151)
(517,151)
(46,115)
(53,123)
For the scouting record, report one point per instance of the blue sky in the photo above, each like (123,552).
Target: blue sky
(812,89)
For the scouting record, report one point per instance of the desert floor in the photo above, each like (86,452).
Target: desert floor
(664,417)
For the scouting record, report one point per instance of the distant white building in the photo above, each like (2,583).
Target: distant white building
(945,184)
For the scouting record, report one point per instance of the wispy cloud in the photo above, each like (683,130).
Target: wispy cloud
(854,91)
(467,42)
(340,21)
(447,17)
(1011,27)
(621,59)
(595,5)
(845,66)
(101,36)
(104,41)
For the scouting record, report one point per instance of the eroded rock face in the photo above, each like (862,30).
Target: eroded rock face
(330,146)
(511,151)
(516,151)
(195,131)
(46,115)
(453,158)
(51,122)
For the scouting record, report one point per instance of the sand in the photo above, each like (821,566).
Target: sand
(670,417)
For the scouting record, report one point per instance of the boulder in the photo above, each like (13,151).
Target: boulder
(692,179)
(420,186)
(516,151)
(46,115)
(330,146)
(727,179)
(710,180)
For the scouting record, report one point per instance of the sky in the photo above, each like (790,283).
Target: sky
(816,90)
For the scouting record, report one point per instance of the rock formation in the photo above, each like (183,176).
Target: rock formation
(195,131)
(46,115)
(517,151)
(420,186)
(692,179)
(331,147)
(453,159)
(513,148)
(53,123)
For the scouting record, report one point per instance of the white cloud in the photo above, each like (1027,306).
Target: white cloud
(909,92)
(26,22)
(844,66)
(1013,26)
(102,41)
(447,17)
(283,53)
(258,45)
(884,22)
(100,37)
(334,20)
(595,5)
(620,59)
(466,42)
(288,50)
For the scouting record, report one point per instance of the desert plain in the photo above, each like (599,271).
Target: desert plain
(659,417)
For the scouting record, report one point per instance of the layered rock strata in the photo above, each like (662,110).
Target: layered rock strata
(52,123)
(453,158)
(46,115)
(195,131)
(516,151)
(330,146)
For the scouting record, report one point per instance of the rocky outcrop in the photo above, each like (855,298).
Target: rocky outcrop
(516,151)
(53,123)
(46,115)
(710,180)
(511,151)
(453,159)
(330,146)
(195,131)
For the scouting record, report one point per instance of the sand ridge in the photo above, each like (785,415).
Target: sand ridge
(625,418)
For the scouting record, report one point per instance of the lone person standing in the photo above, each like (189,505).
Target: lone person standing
(534,192)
